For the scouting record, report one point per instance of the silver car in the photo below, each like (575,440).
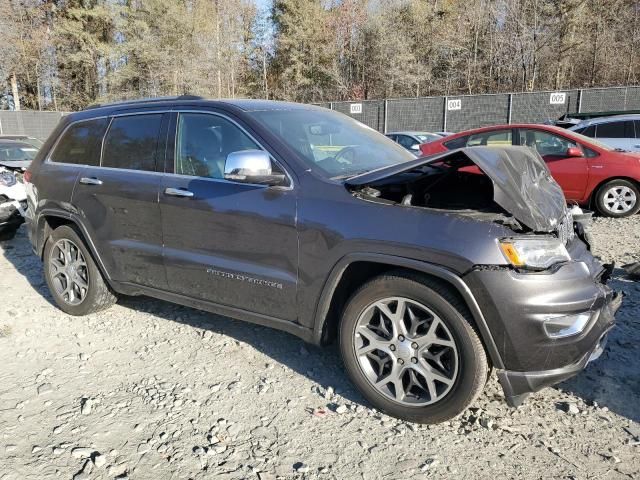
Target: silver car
(620,131)
(412,140)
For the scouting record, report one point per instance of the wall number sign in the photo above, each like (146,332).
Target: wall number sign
(454,104)
(557,98)
(355,108)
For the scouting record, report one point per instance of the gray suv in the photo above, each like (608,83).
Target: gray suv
(429,272)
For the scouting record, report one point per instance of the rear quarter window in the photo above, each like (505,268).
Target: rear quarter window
(456,143)
(80,143)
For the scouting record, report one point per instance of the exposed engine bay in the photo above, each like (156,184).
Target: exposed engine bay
(446,188)
(511,186)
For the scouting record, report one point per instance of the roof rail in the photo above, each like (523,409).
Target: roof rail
(144,100)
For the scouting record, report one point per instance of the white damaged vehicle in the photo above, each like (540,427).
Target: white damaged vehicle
(13,203)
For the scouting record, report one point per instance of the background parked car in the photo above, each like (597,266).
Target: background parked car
(412,140)
(569,120)
(622,131)
(16,156)
(33,141)
(591,173)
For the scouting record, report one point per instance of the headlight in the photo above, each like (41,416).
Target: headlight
(540,252)
(7,179)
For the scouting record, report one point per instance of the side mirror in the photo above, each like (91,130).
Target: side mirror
(574,152)
(415,147)
(251,166)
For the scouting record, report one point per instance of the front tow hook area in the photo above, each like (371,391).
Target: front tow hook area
(517,386)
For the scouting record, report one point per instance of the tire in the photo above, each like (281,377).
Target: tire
(96,296)
(618,198)
(467,368)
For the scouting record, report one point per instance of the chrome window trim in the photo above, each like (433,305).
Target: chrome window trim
(99,117)
(162,111)
(243,130)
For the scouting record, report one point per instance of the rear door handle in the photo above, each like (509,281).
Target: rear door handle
(178,192)
(91,181)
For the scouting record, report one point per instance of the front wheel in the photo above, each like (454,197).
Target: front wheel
(618,198)
(408,344)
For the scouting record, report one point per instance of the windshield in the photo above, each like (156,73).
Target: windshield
(331,143)
(9,153)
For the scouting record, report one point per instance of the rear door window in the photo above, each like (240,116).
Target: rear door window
(615,130)
(80,143)
(132,141)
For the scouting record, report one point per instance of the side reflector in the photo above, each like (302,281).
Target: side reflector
(511,254)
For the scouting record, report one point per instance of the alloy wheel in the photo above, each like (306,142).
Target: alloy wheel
(406,351)
(619,199)
(68,271)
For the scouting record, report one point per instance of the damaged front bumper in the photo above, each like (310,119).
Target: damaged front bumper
(518,386)
(518,307)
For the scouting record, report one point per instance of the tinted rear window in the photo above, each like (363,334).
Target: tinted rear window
(615,130)
(131,142)
(80,143)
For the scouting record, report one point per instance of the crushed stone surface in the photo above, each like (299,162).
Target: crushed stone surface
(151,390)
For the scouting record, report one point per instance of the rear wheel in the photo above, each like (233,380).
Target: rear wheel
(618,198)
(409,346)
(75,282)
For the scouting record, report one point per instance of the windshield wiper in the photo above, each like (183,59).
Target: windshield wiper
(350,175)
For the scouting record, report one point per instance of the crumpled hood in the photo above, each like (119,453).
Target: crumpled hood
(522,183)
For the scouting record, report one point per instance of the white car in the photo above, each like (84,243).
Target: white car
(13,203)
(620,131)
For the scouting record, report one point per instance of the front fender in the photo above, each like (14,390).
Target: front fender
(322,308)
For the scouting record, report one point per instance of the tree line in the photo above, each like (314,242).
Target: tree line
(67,54)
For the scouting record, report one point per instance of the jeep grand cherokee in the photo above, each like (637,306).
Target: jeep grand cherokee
(429,271)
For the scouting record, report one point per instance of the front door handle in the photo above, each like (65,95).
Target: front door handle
(91,181)
(178,192)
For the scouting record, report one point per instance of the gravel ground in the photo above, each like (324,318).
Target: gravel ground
(149,390)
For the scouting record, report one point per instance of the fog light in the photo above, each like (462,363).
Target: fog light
(560,326)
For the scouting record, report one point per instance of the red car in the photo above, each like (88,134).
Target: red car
(590,173)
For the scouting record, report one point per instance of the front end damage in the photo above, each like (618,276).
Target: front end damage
(547,306)
(13,201)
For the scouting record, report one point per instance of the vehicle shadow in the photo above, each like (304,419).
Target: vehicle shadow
(613,381)
(321,365)
(19,253)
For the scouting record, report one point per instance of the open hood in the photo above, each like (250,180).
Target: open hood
(522,183)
